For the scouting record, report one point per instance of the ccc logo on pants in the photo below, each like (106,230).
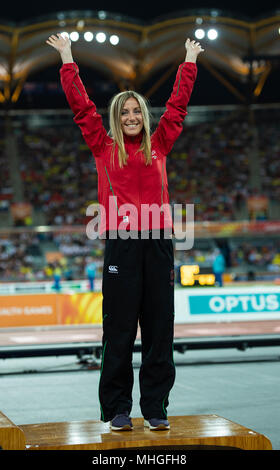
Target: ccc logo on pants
(113,269)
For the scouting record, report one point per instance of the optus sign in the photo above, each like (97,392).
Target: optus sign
(244,303)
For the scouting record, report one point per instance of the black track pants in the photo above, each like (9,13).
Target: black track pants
(138,285)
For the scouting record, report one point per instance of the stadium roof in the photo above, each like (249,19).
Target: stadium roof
(244,54)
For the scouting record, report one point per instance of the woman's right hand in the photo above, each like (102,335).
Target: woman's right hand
(61,43)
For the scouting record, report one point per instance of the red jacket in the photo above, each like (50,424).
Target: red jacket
(136,186)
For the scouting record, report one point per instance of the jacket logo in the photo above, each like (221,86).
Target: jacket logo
(113,269)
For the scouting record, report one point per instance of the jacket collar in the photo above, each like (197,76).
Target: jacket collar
(137,139)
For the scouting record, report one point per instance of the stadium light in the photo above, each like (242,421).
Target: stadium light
(74,36)
(64,34)
(102,15)
(199,33)
(114,39)
(100,37)
(88,36)
(212,34)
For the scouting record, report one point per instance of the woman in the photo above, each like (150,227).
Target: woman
(138,273)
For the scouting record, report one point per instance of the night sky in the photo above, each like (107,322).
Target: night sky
(143,9)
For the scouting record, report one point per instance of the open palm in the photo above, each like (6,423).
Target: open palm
(59,42)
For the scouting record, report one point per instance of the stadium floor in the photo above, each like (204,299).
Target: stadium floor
(243,386)
(83,333)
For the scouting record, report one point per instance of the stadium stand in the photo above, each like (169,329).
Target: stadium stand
(56,174)
(6,191)
(209,167)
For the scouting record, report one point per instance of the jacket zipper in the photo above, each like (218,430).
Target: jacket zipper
(161,210)
(75,83)
(111,189)
(180,79)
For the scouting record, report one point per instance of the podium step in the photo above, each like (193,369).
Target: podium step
(192,432)
(11,436)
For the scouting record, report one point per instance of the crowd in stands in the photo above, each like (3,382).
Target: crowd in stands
(21,257)
(6,190)
(208,166)
(265,256)
(59,177)
(17,255)
(57,172)
(269,147)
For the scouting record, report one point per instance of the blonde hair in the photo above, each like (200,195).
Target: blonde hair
(115,110)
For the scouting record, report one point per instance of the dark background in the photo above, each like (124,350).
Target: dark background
(208,90)
(143,9)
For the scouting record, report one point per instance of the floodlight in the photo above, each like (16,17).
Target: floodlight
(100,37)
(114,39)
(199,33)
(88,36)
(74,36)
(212,34)
(64,34)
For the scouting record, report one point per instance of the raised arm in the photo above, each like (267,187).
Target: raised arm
(89,121)
(171,122)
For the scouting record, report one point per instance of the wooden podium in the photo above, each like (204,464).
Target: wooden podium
(187,432)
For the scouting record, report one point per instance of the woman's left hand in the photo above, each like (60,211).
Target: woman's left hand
(193,49)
